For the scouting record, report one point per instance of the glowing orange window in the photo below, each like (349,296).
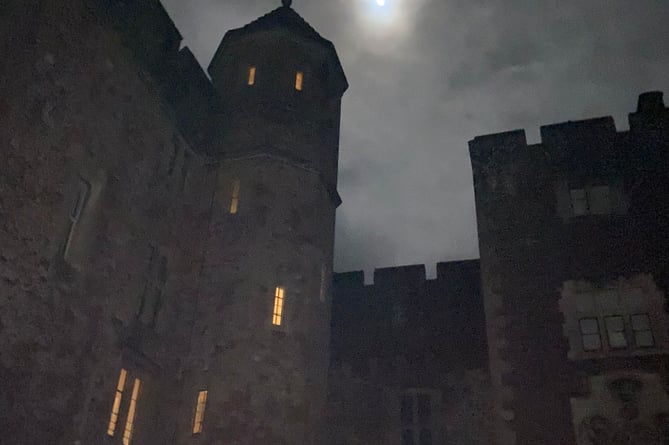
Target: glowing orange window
(111,429)
(278,306)
(234,203)
(132,411)
(199,412)
(251,80)
(299,78)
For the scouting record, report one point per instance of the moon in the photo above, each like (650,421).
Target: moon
(381,2)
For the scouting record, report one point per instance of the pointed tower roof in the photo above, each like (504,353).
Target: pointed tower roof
(287,18)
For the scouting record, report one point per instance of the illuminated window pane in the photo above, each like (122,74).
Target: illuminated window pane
(643,335)
(199,412)
(234,203)
(615,327)
(111,429)
(278,306)
(130,421)
(590,334)
(252,75)
(299,77)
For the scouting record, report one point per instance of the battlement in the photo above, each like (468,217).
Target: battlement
(558,139)
(410,276)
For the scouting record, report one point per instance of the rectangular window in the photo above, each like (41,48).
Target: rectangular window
(407,437)
(424,409)
(299,77)
(278,306)
(594,200)
(199,412)
(323,283)
(590,334)
(643,335)
(615,328)
(83,192)
(111,429)
(406,412)
(234,203)
(251,80)
(132,411)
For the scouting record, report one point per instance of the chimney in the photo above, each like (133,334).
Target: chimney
(650,101)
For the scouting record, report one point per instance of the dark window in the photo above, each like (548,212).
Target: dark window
(590,334)
(407,437)
(643,335)
(594,200)
(407,410)
(424,410)
(615,328)
(425,437)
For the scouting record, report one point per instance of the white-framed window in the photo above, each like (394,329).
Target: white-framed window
(590,336)
(643,334)
(615,329)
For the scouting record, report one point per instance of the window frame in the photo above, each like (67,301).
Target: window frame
(649,330)
(200,410)
(584,334)
(278,307)
(610,332)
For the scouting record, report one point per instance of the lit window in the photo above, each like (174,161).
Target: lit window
(83,192)
(130,421)
(590,334)
(111,429)
(643,335)
(615,328)
(299,77)
(199,412)
(234,203)
(324,273)
(278,306)
(252,75)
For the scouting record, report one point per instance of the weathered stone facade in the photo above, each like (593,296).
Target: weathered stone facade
(403,339)
(573,236)
(118,249)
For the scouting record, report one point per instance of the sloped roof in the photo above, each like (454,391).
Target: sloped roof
(286,18)
(282,17)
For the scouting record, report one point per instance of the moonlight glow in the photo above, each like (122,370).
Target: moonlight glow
(381,2)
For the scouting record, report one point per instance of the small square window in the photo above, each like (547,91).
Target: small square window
(643,334)
(590,334)
(615,327)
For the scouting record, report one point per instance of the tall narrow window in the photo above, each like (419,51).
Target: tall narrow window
(615,327)
(130,421)
(590,334)
(111,429)
(324,289)
(251,79)
(299,77)
(278,306)
(643,335)
(234,203)
(199,412)
(83,191)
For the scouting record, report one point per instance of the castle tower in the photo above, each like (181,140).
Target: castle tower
(258,367)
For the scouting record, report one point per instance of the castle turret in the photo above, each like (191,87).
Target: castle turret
(258,366)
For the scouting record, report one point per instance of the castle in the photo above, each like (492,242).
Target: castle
(166,246)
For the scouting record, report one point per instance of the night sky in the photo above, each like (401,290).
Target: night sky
(429,75)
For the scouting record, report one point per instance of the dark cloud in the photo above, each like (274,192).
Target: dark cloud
(437,74)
